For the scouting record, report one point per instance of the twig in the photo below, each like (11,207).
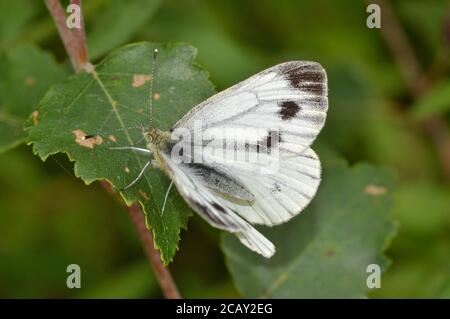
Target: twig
(75,44)
(67,37)
(163,275)
(80,37)
(415,79)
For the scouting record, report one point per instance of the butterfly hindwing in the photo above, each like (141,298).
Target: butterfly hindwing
(280,194)
(212,208)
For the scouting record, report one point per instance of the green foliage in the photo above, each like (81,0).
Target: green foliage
(15,16)
(421,270)
(113,101)
(117,23)
(48,222)
(27,74)
(324,252)
(426,20)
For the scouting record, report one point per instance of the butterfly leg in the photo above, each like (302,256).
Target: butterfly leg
(167,196)
(141,173)
(142,151)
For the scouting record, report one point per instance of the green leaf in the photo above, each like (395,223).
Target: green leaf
(27,73)
(436,102)
(414,198)
(107,101)
(117,23)
(385,139)
(325,251)
(14,18)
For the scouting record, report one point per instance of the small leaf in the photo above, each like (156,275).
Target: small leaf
(27,73)
(436,102)
(108,103)
(324,252)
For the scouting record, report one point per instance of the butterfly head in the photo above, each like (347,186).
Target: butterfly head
(155,138)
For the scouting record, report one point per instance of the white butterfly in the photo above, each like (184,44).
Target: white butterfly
(289,99)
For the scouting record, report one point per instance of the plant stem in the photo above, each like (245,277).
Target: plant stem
(80,37)
(415,79)
(75,44)
(163,275)
(67,37)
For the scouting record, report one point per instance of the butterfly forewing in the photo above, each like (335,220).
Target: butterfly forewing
(290,98)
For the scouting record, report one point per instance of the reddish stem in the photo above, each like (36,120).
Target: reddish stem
(163,275)
(67,37)
(75,44)
(80,37)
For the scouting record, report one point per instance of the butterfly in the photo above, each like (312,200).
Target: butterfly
(273,116)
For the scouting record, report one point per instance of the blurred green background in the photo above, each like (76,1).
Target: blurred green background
(49,219)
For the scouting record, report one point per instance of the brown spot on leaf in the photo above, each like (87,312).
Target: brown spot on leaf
(156,96)
(144,195)
(112,138)
(29,81)
(330,253)
(82,139)
(140,79)
(34,116)
(375,190)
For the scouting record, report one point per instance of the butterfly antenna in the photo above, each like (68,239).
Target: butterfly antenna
(155,53)
(102,133)
(166,197)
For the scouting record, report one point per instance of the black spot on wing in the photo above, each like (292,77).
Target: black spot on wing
(288,110)
(315,88)
(276,188)
(219,207)
(273,139)
(307,76)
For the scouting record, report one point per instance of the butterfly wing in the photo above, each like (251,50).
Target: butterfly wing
(290,98)
(212,207)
